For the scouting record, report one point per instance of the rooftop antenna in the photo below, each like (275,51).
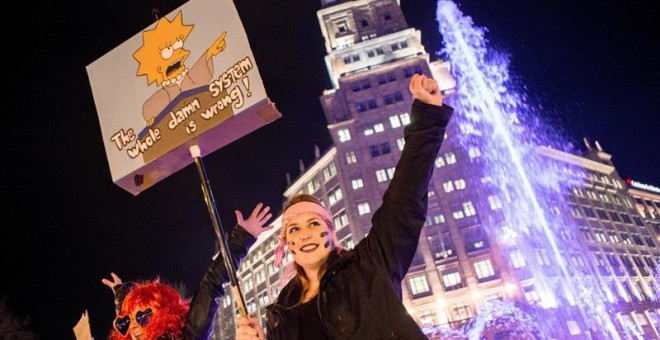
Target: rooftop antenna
(586,143)
(598,146)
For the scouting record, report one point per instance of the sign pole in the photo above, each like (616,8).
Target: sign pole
(195,152)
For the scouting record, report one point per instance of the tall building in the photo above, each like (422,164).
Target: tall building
(461,262)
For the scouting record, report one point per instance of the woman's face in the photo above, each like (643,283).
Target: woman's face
(136,323)
(309,239)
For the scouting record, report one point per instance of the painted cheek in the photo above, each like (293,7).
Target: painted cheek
(324,235)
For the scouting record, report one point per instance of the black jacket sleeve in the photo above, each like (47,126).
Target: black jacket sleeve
(398,222)
(204,304)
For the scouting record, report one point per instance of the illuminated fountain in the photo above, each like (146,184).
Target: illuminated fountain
(493,114)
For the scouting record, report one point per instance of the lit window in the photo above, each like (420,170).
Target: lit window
(390,172)
(340,221)
(261,276)
(381,175)
(350,157)
(575,211)
(357,183)
(531,295)
(363,208)
(379,127)
(451,279)
(484,269)
(439,162)
(419,286)
(330,171)
(592,195)
(395,122)
(494,202)
(368,132)
(335,196)
(263,299)
(614,238)
(604,198)
(450,157)
(344,135)
(459,184)
(400,142)
(405,118)
(252,307)
(313,185)
(474,152)
(448,186)
(578,192)
(627,202)
(468,208)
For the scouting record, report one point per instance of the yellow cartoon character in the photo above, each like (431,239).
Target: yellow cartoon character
(162,58)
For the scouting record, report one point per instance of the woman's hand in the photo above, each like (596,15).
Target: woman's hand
(247,328)
(115,281)
(255,222)
(81,329)
(425,89)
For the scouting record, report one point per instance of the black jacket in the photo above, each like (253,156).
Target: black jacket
(204,304)
(360,293)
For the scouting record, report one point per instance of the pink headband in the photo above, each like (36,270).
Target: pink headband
(304,208)
(293,212)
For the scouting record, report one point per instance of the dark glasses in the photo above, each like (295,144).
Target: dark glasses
(142,317)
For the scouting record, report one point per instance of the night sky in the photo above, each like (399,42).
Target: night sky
(592,66)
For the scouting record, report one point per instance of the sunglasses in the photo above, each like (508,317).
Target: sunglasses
(142,317)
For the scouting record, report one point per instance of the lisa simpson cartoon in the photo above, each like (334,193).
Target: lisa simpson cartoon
(162,58)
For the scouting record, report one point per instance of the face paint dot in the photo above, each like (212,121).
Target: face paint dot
(325,233)
(327,244)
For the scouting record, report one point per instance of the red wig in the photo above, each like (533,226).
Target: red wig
(169,310)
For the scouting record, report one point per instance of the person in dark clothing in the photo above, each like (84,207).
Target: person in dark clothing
(152,310)
(356,294)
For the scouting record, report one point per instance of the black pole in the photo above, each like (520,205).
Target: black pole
(217,227)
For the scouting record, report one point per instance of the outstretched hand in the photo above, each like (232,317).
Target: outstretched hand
(82,329)
(116,280)
(255,222)
(247,328)
(425,89)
